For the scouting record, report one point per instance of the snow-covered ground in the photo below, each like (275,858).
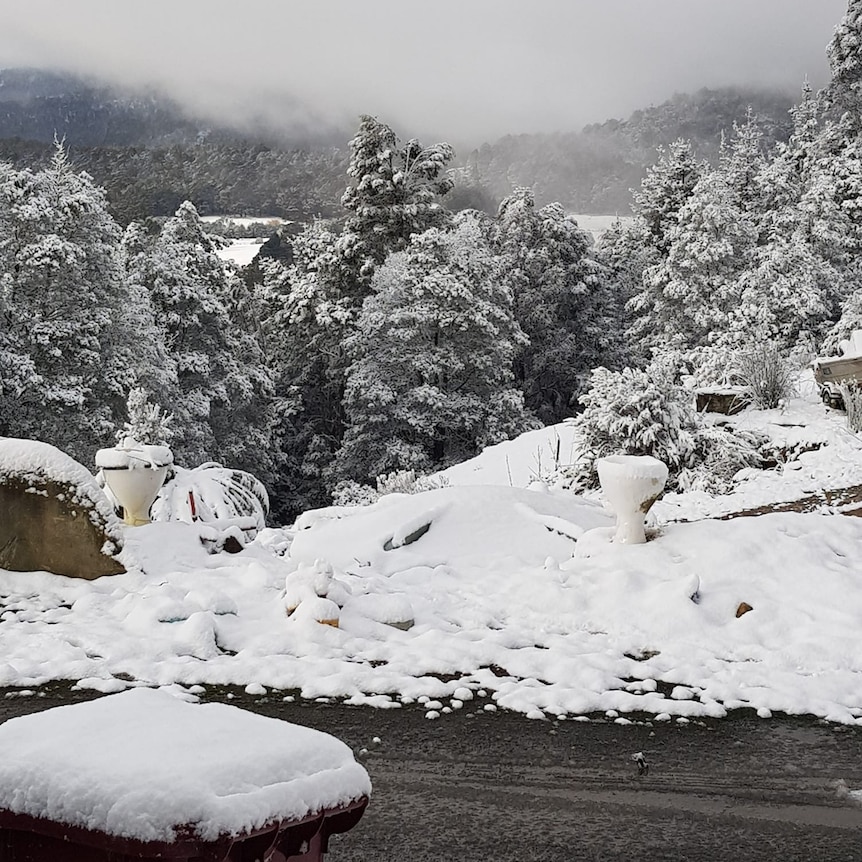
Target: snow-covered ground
(518,598)
(241,251)
(598,224)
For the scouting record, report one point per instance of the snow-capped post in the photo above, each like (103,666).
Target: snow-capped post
(134,473)
(631,484)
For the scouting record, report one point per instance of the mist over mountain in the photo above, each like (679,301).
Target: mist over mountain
(593,170)
(40,104)
(151,155)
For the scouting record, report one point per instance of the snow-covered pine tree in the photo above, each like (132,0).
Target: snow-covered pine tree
(805,266)
(225,394)
(561,302)
(741,163)
(668,184)
(314,306)
(666,188)
(431,383)
(157,371)
(395,193)
(694,289)
(843,95)
(781,295)
(68,318)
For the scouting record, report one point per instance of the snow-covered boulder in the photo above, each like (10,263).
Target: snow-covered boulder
(55,516)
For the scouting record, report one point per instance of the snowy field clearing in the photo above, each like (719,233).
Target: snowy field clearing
(598,224)
(241,251)
(517,597)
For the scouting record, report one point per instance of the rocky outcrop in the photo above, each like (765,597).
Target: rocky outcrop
(53,515)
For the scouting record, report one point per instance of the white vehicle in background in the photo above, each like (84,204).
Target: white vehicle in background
(834,372)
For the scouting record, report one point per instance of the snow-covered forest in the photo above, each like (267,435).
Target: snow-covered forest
(406,337)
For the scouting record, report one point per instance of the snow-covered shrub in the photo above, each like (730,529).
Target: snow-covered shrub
(349,493)
(767,377)
(646,412)
(851,393)
(709,366)
(720,454)
(407,482)
(636,412)
(147,422)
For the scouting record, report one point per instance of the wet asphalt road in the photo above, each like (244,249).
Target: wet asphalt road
(477,786)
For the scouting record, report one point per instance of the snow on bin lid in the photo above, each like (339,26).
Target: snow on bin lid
(130,453)
(634,467)
(141,763)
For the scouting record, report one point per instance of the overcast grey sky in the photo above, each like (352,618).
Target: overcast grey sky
(463,70)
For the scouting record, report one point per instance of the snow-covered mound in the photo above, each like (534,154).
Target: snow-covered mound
(516,593)
(528,458)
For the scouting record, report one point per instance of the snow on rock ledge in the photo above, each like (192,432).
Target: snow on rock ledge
(55,516)
(141,763)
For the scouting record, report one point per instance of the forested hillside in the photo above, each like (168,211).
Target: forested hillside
(594,170)
(150,157)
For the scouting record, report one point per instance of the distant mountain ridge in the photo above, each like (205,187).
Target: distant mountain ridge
(38,105)
(592,171)
(150,154)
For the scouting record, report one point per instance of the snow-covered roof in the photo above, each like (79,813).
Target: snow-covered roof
(141,763)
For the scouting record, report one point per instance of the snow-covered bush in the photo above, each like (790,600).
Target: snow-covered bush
(720,454)
(636,412)
(767,377)
(212,493)
(407,482)
(351,493)
(709,366)
(147,422)
(646,412)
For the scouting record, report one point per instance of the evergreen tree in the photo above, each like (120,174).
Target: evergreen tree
(431,383)
(225,392)
(687,297)
(68,349)
(394,193)
(741,164)
(561,303)
(666,188)
(157,372)
(843,94)
(314,308)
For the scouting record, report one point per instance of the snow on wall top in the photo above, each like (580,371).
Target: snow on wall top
(34,461)
(141,763)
